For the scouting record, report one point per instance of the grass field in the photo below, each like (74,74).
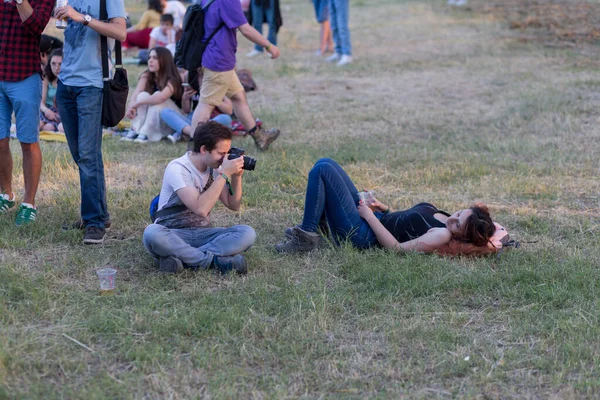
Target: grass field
(442,105)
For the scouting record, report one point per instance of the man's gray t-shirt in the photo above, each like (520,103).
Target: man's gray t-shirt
(82,61)
(181,173)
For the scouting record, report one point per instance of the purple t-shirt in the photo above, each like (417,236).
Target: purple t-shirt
(220,53)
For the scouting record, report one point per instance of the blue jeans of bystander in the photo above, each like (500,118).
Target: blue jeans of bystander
(259,13)
(339,17)
(177,122)
(81,114)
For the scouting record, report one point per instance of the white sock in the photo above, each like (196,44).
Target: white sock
(28,205)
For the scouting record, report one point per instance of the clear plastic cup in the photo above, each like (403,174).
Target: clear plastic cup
(367,197)
(61,23)
(107,281)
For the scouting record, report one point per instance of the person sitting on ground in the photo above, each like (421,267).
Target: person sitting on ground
(177,10)
(139,34)
(49,117)
(331,197)
(164,35)
(159,87)
(181,236)
(181,123)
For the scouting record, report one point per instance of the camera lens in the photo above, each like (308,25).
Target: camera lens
(249,163)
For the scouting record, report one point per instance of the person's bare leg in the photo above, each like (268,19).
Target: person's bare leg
(201,115)
(263,139)
(242,110)
(6,167)
(32,168)
(328,36)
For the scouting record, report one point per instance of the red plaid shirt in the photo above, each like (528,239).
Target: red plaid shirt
(20,40)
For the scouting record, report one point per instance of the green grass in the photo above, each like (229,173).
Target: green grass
(441,105)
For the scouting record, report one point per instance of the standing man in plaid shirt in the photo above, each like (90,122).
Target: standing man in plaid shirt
(21,91)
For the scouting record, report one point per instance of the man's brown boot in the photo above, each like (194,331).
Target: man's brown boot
(263,139)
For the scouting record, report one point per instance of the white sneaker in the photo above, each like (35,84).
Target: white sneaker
(130,137)
(345,60)
(141,139)
(333,58)
(174,137)
(254,53)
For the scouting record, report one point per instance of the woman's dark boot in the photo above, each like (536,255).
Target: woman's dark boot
(299,241)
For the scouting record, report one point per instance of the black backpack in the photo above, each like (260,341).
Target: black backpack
(190,47)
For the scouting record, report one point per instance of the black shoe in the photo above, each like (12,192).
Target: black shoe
(170,265)
(79,225)
(94,235)
(235,263)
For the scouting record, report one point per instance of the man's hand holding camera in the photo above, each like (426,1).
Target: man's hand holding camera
(233,167)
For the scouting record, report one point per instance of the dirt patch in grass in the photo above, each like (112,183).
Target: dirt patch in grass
(548,21)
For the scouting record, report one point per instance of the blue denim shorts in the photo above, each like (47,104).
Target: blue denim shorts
(321,10)
(24,99)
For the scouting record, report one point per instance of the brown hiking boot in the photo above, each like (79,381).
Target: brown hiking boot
(263,139)
(299,241)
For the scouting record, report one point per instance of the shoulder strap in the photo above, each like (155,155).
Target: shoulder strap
(104,46)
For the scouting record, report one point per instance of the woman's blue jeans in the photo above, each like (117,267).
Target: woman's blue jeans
(177,122)
(259,13)
(80,109)
(330,191)
(338,18)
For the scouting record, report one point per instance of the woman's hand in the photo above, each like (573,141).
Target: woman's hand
(188,93)
(364,211)
(51,115)
(131,112)
(379,206)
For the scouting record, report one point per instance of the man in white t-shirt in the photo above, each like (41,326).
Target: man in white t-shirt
(163,35)
(181,235)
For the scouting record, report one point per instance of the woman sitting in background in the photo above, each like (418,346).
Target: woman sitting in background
(159,87)
(331,197)
(139,34)
(181,123)
(49,117)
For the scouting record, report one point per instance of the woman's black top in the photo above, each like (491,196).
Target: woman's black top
(412,223)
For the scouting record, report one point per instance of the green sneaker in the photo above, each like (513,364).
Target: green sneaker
(6,204)
(26,214)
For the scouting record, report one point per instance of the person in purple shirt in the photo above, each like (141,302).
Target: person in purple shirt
(218,67)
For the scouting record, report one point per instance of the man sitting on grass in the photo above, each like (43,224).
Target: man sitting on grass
(181,235)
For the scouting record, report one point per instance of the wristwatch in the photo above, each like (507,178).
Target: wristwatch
(86,19)
(19,2)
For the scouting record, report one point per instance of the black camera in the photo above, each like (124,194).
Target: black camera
(249,162)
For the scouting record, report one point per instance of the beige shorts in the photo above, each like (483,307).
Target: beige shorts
(216,85)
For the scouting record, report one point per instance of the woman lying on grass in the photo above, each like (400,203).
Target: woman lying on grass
(332,199)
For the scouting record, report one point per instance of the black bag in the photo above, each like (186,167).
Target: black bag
(114,101)
(190,47)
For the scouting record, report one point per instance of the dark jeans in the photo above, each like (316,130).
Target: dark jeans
(330,191)
(81,113)
(259,14)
